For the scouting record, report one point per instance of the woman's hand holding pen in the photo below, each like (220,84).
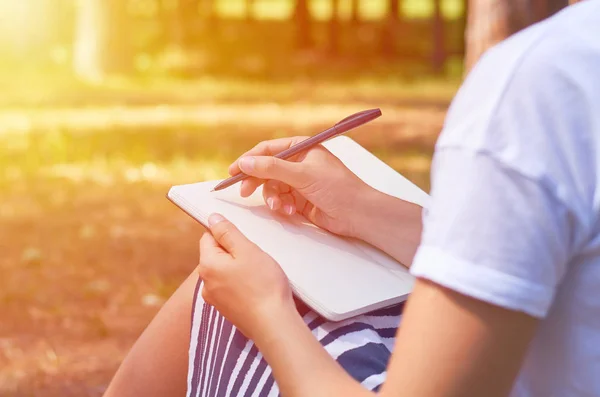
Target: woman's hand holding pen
(315,184)
(319,186)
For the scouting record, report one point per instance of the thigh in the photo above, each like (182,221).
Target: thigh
(225,363)
(156,365)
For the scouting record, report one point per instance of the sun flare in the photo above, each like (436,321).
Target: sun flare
(23,23)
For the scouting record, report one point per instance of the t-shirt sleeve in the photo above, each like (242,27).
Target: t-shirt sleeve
(514,175)
(493,234)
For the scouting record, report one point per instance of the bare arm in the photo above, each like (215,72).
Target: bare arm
(390,224)
(449,345)
(156,366)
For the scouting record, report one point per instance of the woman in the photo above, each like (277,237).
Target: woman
(507,298)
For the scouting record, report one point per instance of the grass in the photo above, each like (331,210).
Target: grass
(55,90)
(89,245)
(176,143)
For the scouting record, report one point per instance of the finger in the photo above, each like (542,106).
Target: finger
(271,194)
(209,246)
(249,185)
(309,212)
(277,186)
(294,174)
(288,205)
(282,187)
(227,235)
(210,252)
(267,148)
(300,201)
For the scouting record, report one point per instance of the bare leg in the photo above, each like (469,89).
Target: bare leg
(157,364)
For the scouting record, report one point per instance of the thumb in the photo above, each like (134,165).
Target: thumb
(209,247)
(268,167)
(226,234)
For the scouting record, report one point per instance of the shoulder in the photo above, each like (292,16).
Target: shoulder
(530,104)
(558,56)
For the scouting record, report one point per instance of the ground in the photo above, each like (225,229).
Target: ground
(89,246)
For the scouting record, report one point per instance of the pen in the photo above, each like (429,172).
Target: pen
(343,126)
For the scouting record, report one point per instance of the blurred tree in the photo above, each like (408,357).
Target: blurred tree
(165,20)
(101,46)
(462,48)
(439,51)
(208,10)
(303,25)
(334,28)
(354,11)
(491,21)
(187,13)
(249,9)
(388,41)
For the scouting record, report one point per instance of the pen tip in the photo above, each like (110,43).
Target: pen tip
(212,190)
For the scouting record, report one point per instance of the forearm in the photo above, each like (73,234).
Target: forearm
(300,364)
(390,224)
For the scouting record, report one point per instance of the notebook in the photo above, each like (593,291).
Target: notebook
(337,277)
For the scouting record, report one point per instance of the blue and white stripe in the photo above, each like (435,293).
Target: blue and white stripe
(223,362)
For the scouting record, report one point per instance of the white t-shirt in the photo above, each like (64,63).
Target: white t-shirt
(514,218)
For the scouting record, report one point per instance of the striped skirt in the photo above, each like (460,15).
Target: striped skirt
(223,362)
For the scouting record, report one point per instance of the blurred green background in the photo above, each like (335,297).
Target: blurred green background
(105,104)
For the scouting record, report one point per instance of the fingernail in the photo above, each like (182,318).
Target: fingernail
(288,209)
(271,203)
(214,219)
(247,164)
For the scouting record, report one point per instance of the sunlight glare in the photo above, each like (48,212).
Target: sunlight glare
(20,21)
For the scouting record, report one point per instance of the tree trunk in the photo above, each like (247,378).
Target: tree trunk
(439,51)
(187,12)
(491,21)
(388,41)
(89,32)
(463,27)
(303,25)
(249,10)
(164,18)
(334,28)
(355,12)
(101,46)
(208,11)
